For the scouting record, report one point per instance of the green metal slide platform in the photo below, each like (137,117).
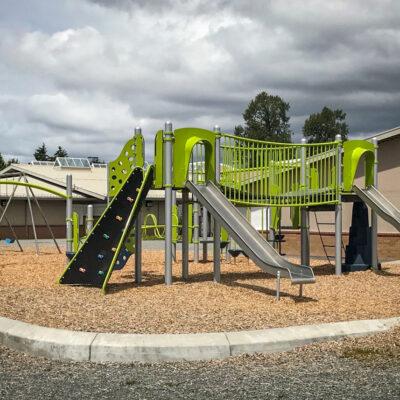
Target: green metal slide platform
(104,247)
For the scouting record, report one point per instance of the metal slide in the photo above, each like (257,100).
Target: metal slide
(248,238)
(104,248)
(380,204)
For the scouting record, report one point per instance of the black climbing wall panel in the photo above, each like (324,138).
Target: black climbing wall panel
(93,260)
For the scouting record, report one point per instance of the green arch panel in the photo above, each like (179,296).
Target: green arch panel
(354,151)
(185,140)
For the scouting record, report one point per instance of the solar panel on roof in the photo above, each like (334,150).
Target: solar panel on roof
(69,162)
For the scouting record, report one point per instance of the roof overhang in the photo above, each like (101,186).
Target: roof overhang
(15,170)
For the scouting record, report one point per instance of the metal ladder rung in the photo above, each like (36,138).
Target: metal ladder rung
(326,246)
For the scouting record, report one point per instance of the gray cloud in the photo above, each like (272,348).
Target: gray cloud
(86,76)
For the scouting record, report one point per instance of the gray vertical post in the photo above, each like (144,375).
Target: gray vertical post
(89,219)
(374,219)
(278,285)
(305,225)
(168,137)
(228,247)
(69,238)
(217,227)
(138,248)
(32,220)
(196,229)
(138,235)
(185,234)
(338,210)
(204,226)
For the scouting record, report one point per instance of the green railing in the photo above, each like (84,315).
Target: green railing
(256,173)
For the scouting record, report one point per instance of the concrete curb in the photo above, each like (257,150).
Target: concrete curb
(63,344)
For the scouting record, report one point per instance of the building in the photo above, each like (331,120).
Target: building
(89,187)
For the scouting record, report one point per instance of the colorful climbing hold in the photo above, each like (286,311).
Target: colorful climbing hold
(83,270)
(118,218)
(105,236)
(100,256)
(130,199)
(101,272)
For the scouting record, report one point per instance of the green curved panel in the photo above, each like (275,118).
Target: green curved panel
(354,151)
(131,156)
(185,140)
(158,161)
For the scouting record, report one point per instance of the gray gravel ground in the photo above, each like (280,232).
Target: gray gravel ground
(317,372)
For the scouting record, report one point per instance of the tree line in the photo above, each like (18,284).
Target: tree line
(266,118)
(40,154)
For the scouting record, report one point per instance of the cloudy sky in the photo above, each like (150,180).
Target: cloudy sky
(82,74)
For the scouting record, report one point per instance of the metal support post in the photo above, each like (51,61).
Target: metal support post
(301,290)
(196,229)
(138,248)
(338,210)
(69,214)
(374,219)
(89,219)
(168,138)
(305,225)
(138,235)
(217,227)
(204,226)
(32,220)
(185,234)
(278,285)
(228,247)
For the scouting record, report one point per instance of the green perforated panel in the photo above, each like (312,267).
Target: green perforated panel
(132,155)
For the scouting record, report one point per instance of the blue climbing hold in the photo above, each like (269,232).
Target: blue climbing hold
(105,236)
(100,256)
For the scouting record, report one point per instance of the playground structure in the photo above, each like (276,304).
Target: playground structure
(219,172)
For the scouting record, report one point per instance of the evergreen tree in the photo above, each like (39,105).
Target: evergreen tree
(324,126)
(40,153)
(60,153)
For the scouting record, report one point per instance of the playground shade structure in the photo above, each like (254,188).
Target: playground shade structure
(249,239)
(104,248)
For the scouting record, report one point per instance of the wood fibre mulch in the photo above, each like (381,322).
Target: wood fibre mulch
(244,300)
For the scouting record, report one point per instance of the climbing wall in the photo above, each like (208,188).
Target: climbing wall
(132,155)
(103,249)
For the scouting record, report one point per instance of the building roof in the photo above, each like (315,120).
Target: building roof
(385,135)
(89,184)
